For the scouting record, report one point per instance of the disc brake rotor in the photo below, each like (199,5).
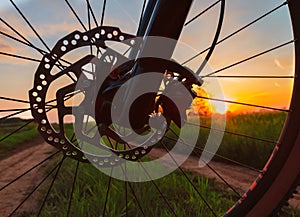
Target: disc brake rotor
(86,81)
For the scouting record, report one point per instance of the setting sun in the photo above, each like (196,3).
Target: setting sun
(219,107)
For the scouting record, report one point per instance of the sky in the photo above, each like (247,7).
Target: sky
(53,20)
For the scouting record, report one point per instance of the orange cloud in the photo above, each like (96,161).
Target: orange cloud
(6,48)
(4,45)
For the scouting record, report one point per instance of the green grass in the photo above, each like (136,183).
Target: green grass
(264,125)
(22,136)
(91,187)
(252,152)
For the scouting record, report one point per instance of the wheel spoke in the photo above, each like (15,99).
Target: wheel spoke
(13,99)
(13,110)
(201,13)
(28,171)
(89,21)
(189,180)
(14,30)
(22,42)
(19,57)
(107,193)
(51,186)
(27,109)
(111,144)
(131,189)
(76,15)
(160,192)
(86,123)
(28,122)
(217,155)
(103,12)
(16,130)
(252,76)
(222,178)
(249,58)
(136,199)
(211,168)
(29,24)
(18,111)
(25,42)
(11,115)
(244,104)
(157,188)
(73,187)
(35,32)
(36,187)
(73,139)
(126,185)
(126,197)
(60,66)
(233,133)
(215,40)
(92,12)
(237,31)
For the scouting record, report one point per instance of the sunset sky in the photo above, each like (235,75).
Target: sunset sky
(53,20)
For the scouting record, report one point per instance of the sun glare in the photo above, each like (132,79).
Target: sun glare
(219,107)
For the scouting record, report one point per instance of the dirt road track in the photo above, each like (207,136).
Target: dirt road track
(25,159)
(239,177)
(13,166)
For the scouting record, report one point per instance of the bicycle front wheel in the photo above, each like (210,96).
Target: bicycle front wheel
(64,44)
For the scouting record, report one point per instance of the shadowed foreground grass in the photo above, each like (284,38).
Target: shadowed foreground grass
(91,188)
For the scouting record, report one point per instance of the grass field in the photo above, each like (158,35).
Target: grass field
(253,152)
(91,185)
(22,136)
(91,188)
(266,126)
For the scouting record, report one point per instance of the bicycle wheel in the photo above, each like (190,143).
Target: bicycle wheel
(82,42)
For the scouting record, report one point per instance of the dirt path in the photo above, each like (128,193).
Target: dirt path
(15,165)
(239,177)
(25,159)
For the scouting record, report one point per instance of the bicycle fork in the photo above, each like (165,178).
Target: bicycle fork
(163,19)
